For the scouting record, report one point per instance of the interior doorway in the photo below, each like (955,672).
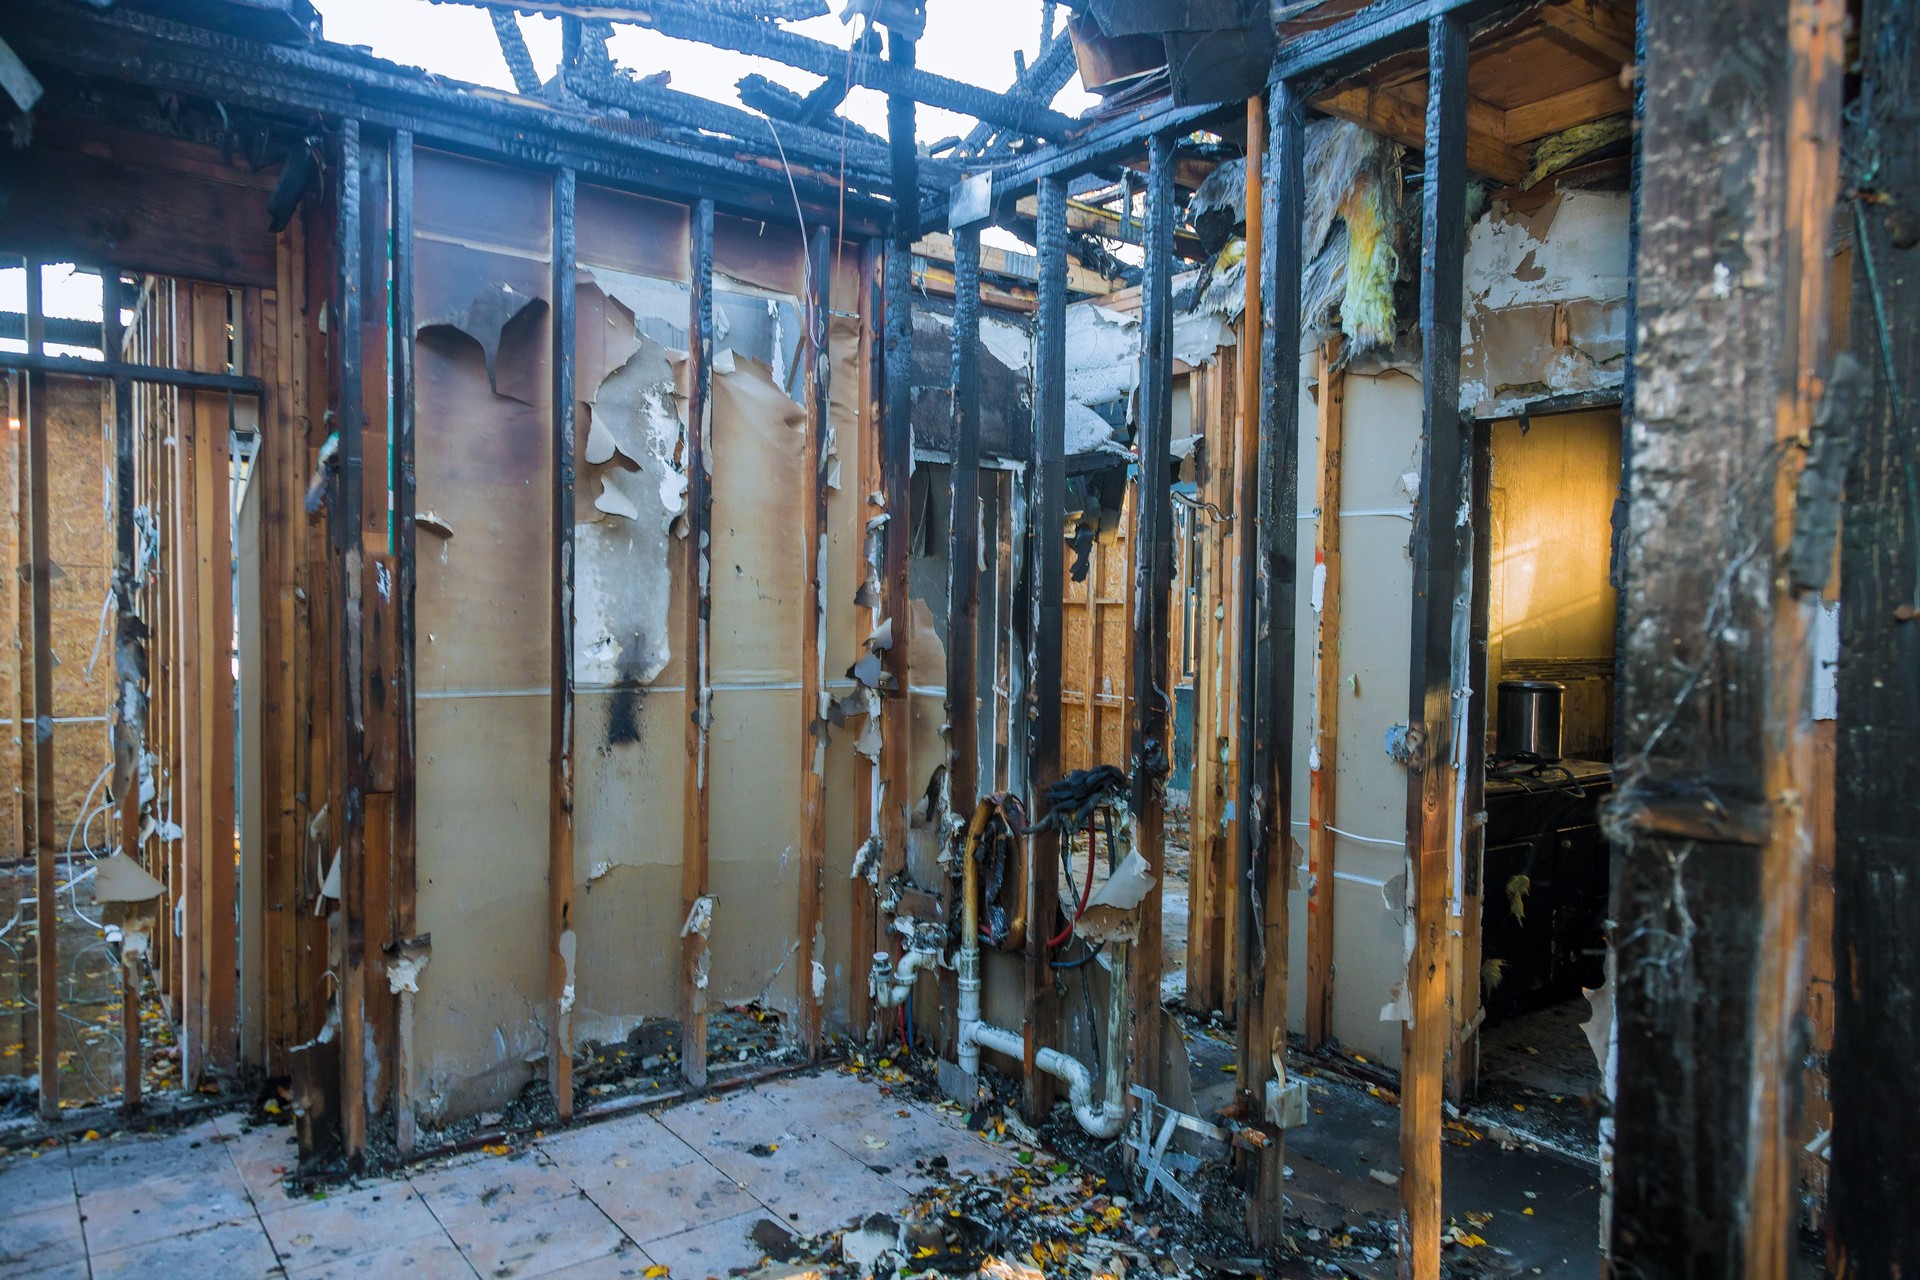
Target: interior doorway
(1546,609)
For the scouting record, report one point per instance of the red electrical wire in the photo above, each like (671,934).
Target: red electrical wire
(1086,893)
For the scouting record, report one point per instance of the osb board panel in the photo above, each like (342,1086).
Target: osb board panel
(482,203)
(624,232)
(759,564)
(80,546)
(629,768)
(484,467)
(482,871)
(754,780)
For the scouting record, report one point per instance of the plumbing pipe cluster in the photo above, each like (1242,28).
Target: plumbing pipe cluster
(1103,1120)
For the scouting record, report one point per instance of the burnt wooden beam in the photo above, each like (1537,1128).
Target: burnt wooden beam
(1326,698)
(813,644)
(896,790)
(702,24)
(350,742)
(694,859)
(406,573)
(126,46)
(1151,741)
(963,534)
(1876,1062)
(37,362)
(513,48)
(870,603)
(1434,671)
(1709,819)
(130,665)
(1267,656)
(561,940)
(1046,560)
(46,915)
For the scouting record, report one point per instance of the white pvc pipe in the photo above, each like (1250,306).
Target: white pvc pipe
(1104,1120)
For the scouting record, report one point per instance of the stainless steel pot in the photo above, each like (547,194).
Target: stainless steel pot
(1529,719)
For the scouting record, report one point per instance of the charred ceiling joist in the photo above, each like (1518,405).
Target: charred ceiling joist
(707,24)
(124,46)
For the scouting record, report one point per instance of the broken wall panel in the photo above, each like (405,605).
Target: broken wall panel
(1546,308)
(483,462)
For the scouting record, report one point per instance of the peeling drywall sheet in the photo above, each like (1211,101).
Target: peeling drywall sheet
(1103,366)
(1546,305)
(625,550)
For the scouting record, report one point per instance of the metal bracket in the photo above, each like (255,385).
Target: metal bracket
(971,200)
(1152,1147)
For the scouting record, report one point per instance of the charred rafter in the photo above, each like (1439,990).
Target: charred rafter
(126,46)
(706,24)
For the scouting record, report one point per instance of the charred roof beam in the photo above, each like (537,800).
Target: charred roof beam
(702,23)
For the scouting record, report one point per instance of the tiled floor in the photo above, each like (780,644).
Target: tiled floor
(681,1188)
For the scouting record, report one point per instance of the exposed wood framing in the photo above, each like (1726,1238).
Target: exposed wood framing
(813,646)
(1710,826)
(1323,764)
(1434,671)
(1046,562)
(406,572)
(694,960)
(1108,224)
(561,940)
(1876,1062)
(1266,664)
(869,469)
(1206,572)
(350,827)
(130,659)
(1150,747)
(938,246)
(46,842)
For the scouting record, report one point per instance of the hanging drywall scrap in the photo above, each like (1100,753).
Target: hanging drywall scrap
(867,859)
(880,638)
(406,961)
(433,523)
(483,320)
(121,879)
(325,466)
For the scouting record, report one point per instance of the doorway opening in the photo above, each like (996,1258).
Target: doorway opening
(1546,610)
